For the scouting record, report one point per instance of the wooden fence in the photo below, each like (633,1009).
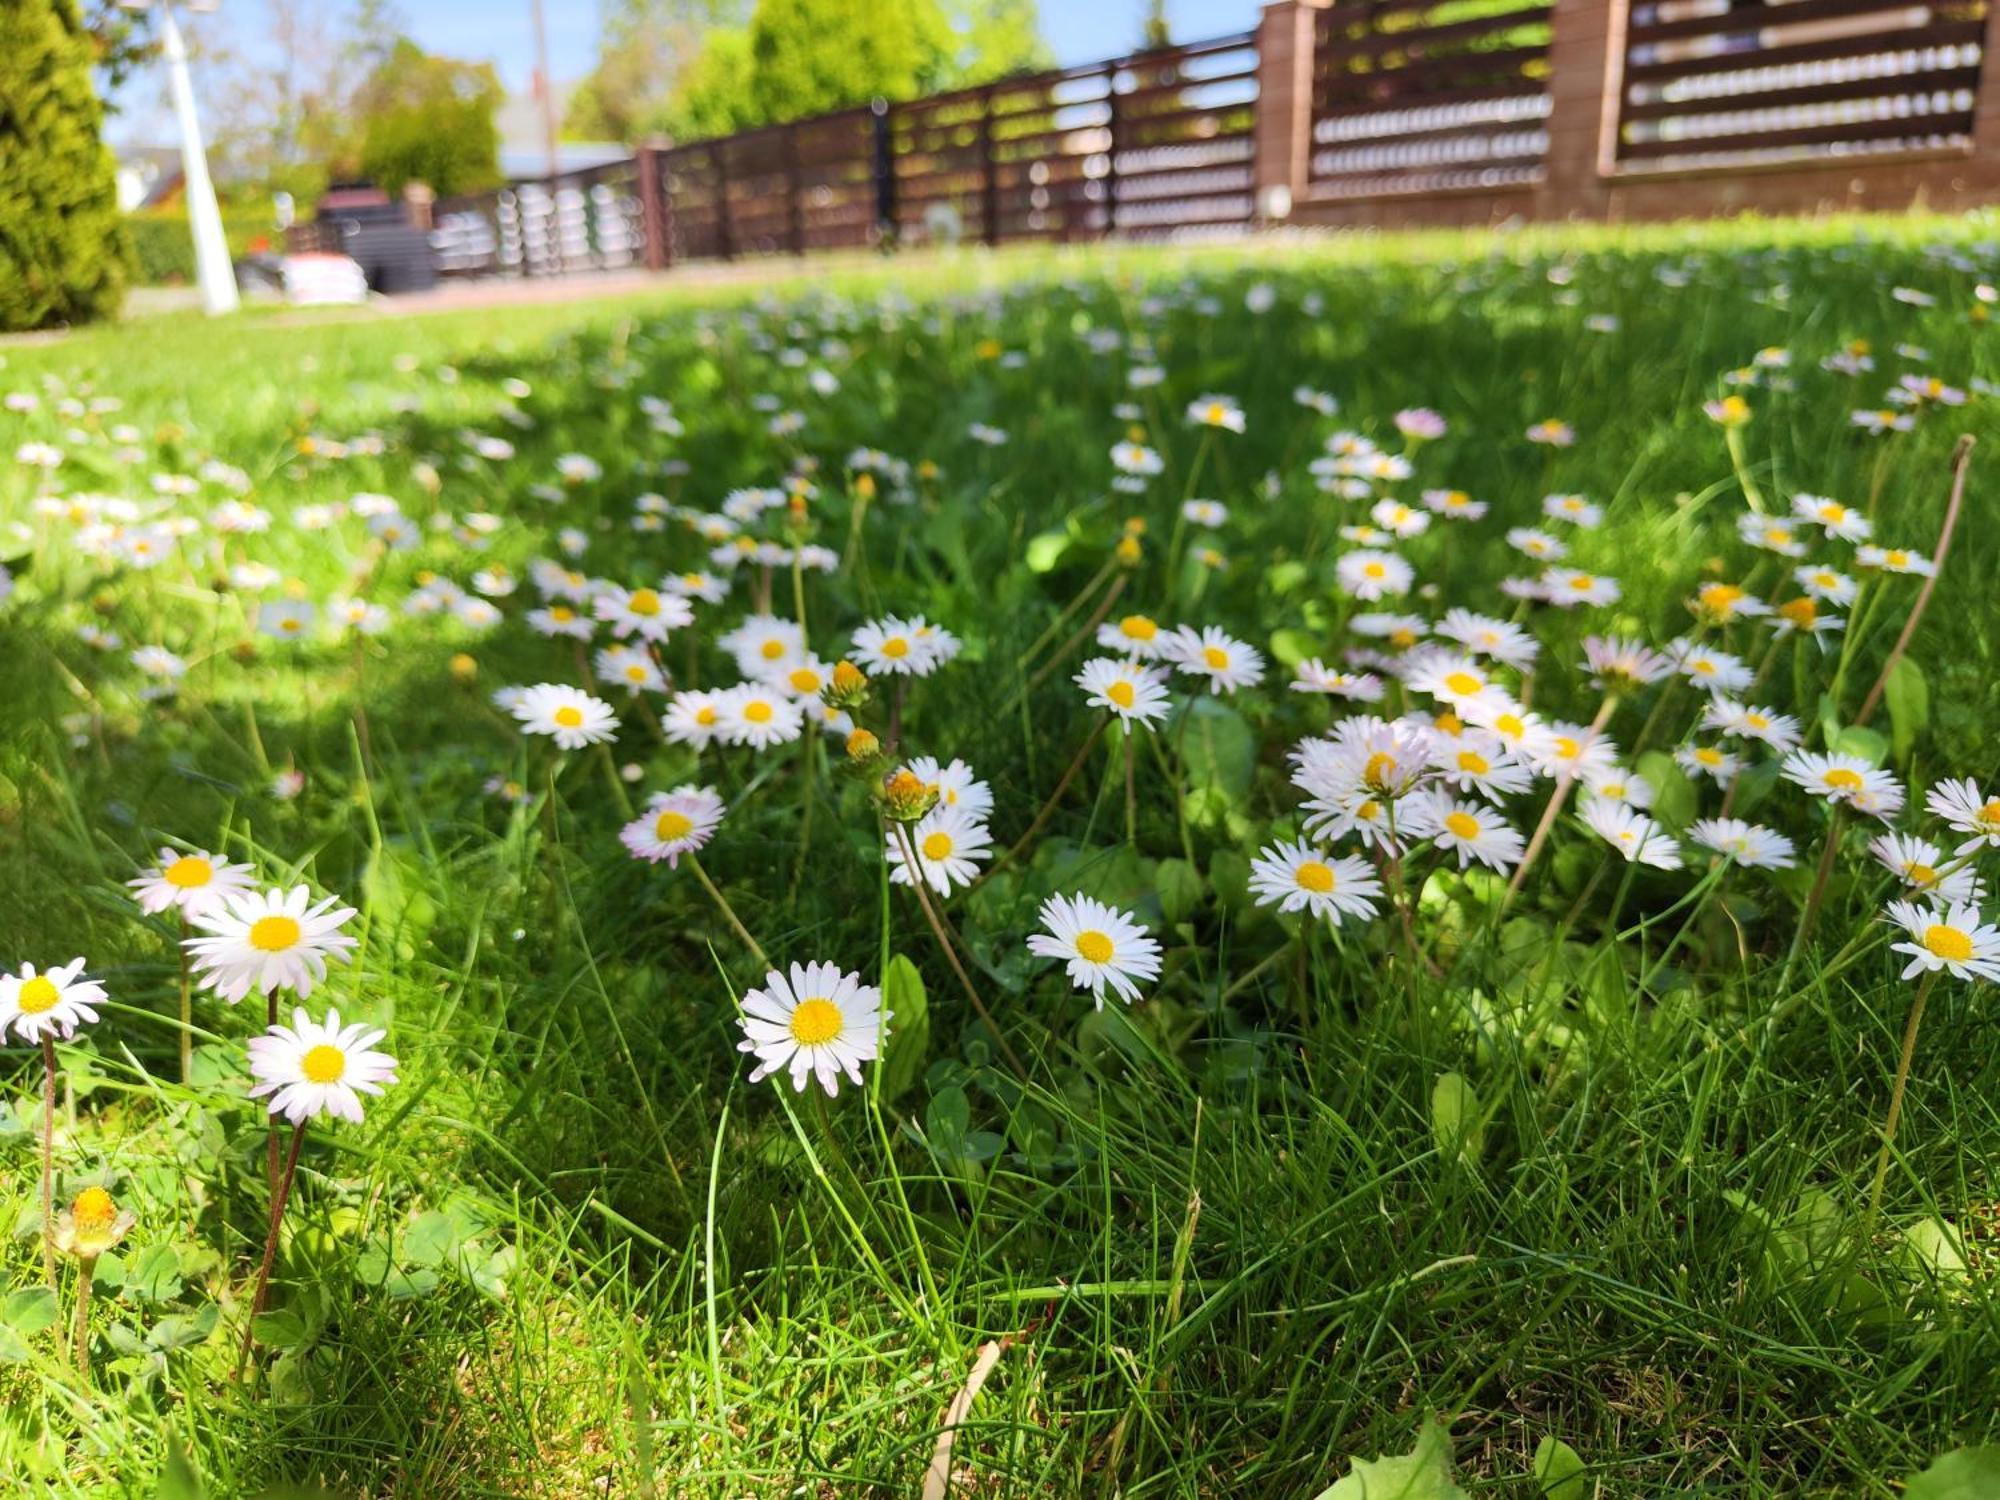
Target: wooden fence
(1337,112)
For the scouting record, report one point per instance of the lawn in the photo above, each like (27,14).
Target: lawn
(1540,1137)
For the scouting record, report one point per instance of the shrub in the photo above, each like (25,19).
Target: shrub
(162,241)
(62,245)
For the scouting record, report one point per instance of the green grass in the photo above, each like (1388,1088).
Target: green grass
(1228,1239)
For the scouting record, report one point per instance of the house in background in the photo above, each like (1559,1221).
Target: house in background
(148,176)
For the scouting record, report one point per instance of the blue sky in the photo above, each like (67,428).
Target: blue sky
(501,31)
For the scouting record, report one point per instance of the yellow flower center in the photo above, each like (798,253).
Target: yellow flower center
(1217,412)
(1708,755)
(562,614)
(636,672)
(772,649)
(1449,723)
(804,680)
(274,934)
(1897,558)
(323,1064)
(693,580)
(1094,946)
(1567,748)
(671,825)
(1463,683)
(1402,640)
(896,648)
(1779,536)
(1314,875)
(1989,815)
(93,1211)
(1840,779)
(1800,611)
(757,711)
(1832,513)
(37,995)
(937,845)
(1120,693)
(1374,570)
(188,872)
(1378,770)
(1953,944)
(643,602)
(569,716)
(1582,583)
(1138,628)
(1215,657)
(1510,726)
(1462,825)
(1473,761)
(1922,875)
(1756,721)
(816,1021)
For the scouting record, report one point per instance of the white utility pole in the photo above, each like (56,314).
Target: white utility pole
(211,250)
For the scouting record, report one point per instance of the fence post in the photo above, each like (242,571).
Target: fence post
(794,190)
(1986,102)
(725,230)
(1586,88)
(989,207)
(652,205)
(1111,151)
(885,171)
(1282,145)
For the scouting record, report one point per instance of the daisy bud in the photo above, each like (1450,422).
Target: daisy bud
(91,1225)
(1730,411)
(864,486)
(863,746)
(1135,526)
(849,687)
(906,797)
(464,668)
(1128,552)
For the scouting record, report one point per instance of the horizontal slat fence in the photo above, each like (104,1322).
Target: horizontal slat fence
(1416,98)
(1729,82)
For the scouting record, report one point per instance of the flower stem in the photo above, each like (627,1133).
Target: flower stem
(187,1007)
(1896,1091)
(915,868)
(1049,807)
(1550,813)
(86,1271)
(278,1199)
(1960,459)
(728,911)
(49,1157)
(1814,896)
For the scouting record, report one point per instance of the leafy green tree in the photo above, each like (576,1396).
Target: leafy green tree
(715,94)
(430,119)
(62,247)
(994,38)
(645,50)
(817,55)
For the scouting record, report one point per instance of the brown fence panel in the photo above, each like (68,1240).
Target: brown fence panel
(1429,97)
(1720,83)
(692,189)
(834,185)
(1050,137)
(939,162)
(1186,140)
(757,176)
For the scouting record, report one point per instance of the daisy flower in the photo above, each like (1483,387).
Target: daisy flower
(1567,587)
(1133,692)
(1968,810)
(1717,671)
(1622,665)
(1470,830)
(1552,432)
(1571,750)
(1719,603)
(1894,560)
(51,1003)
(1137,636)
(1536,544)
(1209,513)
(804,679)
(646,613)
(1618,785)
(957,785)
(697,583)
(693,718)
(1637,837)
(1313,676)
(1781,732)
(1827,585)
(1228,664)
(1575,509)
(1503,640)
(1398,519)
(1845,779)
(675,823)
(1748,844)
(1369,574)
(312,1068)
(286,619)
(1920,865)
(1802,615)
(1712,761)
(1296,876)
(1099,945)
(630,668)
(1480,762)
(1831,517)
(950,843)
(1454,504)
(1770,534)
(560,619)
(572,717)
(193,882)
(1216,411)
(762,644)
(1952,938)
(267,940)
(890,645)
(819,1022)
(759,716)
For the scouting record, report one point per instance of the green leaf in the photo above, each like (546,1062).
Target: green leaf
(431,1240)
(1907,695)
(1870,745)
(279,1330)
(1935,1248)
(178,1478)
(1291,647)
(29,1310)
(1180,889)
(947,1119)
(1218,748)
(1455,1123)
(909,1042)
(1046,550)
(1424,1473)
(1962,1474)
(1673,794)
(1559,1471)
(179,1330)
(154,1274)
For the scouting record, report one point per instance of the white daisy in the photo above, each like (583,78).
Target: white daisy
(646,613)
(950,844)
(674,823)
(890,645)
(632,669)
(1099,946)
(1953,939)
(1298,876)
(267,940)
(572,717)
(818,1022)
(1845,779)
(193,882)
(759,716)
(1921,866)
(51,1003)
(1227,663)
(1637,837)
(313,1068)
(1470,830)
(1968,810)
(1748,844)
(1314,676)
(1137,636)
(1133,692)
(956,785)
(693,718)
(762,644)
(1370,574)
(1831,517)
